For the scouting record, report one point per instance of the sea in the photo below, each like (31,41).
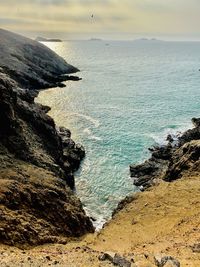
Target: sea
(131,96)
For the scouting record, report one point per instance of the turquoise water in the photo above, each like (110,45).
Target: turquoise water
(132,95)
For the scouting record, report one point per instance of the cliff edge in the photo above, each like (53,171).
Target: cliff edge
(37,160)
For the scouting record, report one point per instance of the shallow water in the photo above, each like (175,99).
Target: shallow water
(132,95)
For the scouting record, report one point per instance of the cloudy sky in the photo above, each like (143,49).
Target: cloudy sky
(111,18)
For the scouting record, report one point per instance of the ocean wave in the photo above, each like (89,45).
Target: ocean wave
(160,138)
(91,136)
(94,121)
(87,131)
(98,219)
(99,223)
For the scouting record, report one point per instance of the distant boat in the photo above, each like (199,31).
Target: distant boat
(42,39)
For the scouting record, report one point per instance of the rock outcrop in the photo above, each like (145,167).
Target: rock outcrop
(171,161)
(43,39)
(37,160)
(31,64)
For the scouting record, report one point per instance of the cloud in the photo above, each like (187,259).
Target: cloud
(134,16)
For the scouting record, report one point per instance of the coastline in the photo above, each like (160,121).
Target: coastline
(157,221)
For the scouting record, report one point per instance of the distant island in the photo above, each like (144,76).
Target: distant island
(95,39)
(148,39)
(42,39)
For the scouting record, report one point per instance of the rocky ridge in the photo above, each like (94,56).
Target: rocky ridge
(38,159)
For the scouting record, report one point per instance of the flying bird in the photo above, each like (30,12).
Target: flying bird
(92,16)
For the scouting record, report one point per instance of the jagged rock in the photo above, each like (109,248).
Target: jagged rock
(73,78)
(107,256)
(64,132)
(121,261)
(184,158)
(144,174)
(196,248)
(115,258)
(102,257)
(169,138)
(166,261)
(196,122)
(191,134)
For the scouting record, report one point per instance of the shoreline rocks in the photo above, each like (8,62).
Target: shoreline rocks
(170,161)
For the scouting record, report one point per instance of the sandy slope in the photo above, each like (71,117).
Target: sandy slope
(164,220)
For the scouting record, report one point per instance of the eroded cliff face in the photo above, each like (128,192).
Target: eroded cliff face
(37,162)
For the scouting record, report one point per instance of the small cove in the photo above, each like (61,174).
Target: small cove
(132,95)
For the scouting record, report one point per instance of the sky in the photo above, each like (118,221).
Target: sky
(109,19)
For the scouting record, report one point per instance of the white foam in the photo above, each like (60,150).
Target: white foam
(90,135)
(93,137)
(160,138)
(99,223)
(87,131)
(99,219)
(95,122)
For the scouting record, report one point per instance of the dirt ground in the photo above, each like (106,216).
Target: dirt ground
(164,220)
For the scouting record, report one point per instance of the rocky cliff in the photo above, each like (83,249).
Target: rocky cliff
(37,160)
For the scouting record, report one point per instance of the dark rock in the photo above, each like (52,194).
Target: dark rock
(161,261)
(189,135)
(102,257)
(196,122)
(73,78)
(196,248)
(120,261)
(170,138)
(64,132)
(115,258)
(107,256)
(144,174)
(93,219)
(186,157)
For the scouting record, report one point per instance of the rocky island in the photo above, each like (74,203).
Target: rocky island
(155,228)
